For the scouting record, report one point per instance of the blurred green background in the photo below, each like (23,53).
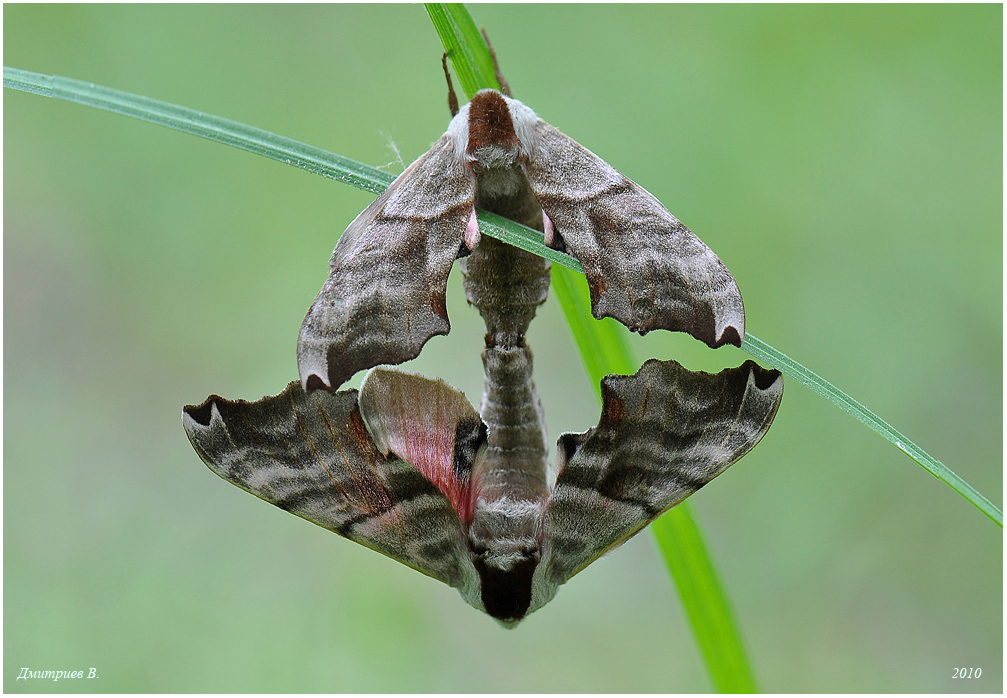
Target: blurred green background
(844,162)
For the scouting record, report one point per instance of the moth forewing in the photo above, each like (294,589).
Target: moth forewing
(385,293)
(644,267)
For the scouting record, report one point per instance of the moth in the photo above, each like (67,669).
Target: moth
(384,297)
(408,466)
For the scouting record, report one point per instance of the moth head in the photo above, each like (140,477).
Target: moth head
(493,131)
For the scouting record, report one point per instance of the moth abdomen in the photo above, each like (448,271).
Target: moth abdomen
(505,538)
(507,593)
(507,285)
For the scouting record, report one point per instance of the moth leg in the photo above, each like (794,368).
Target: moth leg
(504,87)
(452,97)
(472,234)
(552,238)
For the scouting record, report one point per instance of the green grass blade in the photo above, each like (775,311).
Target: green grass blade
(611,352)
(524,238)
(759,349)
(464,45)
(453,45)
(349,171)
(344,169)
(684,550)
(197,123)
(604,344)
(604,349)
(255,140)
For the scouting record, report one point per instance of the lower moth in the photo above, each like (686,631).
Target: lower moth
(408,466)
(410,469)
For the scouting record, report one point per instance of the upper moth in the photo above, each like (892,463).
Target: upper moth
(384,297)
(408,467)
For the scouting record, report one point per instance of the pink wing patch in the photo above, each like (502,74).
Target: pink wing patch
(429,425)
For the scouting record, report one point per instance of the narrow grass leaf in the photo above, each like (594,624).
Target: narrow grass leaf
(197,123)
(760,350)
(604,349)
(684,550)
(371,179)
(258,141)
(603,344)
(462,42)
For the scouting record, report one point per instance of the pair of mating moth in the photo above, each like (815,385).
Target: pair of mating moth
(407,466)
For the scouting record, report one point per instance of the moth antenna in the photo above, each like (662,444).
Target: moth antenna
(452,97)
(504,87)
